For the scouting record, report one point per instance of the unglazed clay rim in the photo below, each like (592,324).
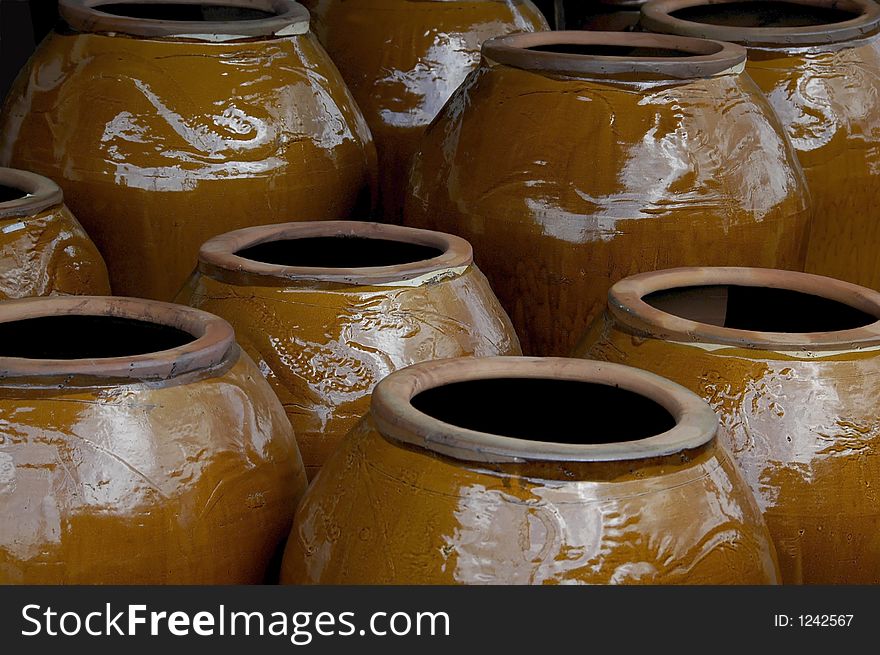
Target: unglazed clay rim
(656,17)
(217,258)
(626,305)
(86,16)
(712,58)
(42,193)
(394,415)
(214,339)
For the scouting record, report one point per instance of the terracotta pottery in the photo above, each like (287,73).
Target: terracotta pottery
(138,445)
(167,123)
(402,60)
(818,62)
(43,248)
(328,309)
(791,363)
(530,471)
(573,159)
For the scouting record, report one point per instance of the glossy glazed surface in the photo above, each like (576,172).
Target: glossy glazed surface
(384,512)
(566,184)
(324,345)
(49,253)
(801,424)
(402,59)
(161,144)
(189,480)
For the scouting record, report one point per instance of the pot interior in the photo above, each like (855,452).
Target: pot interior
(544,409)
(760,309)
(609,50)
(8,193)
(87,337)
(178,11)
(338,252)
(770,13)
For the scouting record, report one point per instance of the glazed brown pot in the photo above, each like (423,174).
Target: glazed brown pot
(509,470)
(328,309)
(138,445)
(402,60)
(818,62)
(572,159)
(164,133)
(791,364)
(43,248)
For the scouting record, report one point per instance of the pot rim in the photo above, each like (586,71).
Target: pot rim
(41,193)
(217,258)
(213,341)
(711,57)
(290,18)
(626,305)
(656,17)
(398,420)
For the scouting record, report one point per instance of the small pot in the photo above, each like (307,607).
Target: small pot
(328,309)
(168,122)
(791,364)
(509,470)
(138,445)
(818,63)
(43,248)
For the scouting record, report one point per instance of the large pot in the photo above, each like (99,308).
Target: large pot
(167,123)
(572,159)
(328,309)
(402,60)
(138,445)
(818,62)
(43,248)
(791,363)
(529,471)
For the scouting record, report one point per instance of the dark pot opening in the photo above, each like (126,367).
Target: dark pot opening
(87,337)
(548,410)
(760,309)
(9,193)
(176,11)
(772,13)
(603,50)
(341,251)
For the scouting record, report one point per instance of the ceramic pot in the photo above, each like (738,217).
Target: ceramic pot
(138,445)
(572,159)
(402,59)
(526,471)
(328,309)
(167,123)
(43,248)
(818,62)
(790,362)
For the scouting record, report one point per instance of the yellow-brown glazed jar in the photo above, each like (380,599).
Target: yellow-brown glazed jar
(167,123)
(402,59)
(510,470)
(43,248)
(818,63)
(328,309)
(138,445)
(573,159)
(791,364)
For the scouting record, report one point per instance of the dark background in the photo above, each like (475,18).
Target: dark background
(23,24)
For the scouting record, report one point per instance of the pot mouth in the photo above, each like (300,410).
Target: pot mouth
(342,252)
(770,23)
(756,308)
(97,337)
(204,20)
(579,53)
(525,409)
(24,194)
